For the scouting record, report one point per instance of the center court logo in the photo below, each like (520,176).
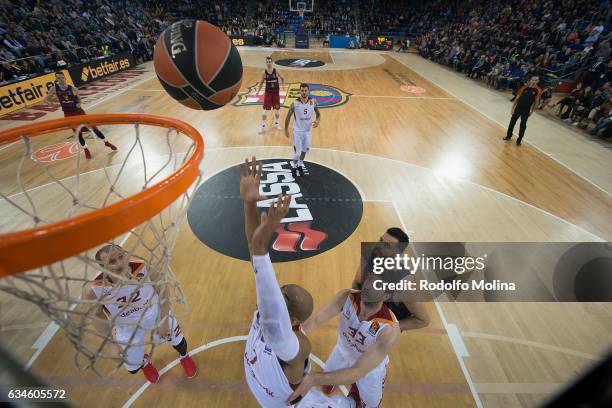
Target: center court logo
(300,63)
(326,96)
(56,152)
(325,210)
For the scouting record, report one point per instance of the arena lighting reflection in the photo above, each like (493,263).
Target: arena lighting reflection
(453,163)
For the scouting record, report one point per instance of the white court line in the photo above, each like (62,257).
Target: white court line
(504,127)
(452,331)
(405,97)
(404,163)
(203,347)
(530,343)
(89,172)
(45,341)
(266,157)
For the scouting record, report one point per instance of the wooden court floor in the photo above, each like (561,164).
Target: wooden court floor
(426,162)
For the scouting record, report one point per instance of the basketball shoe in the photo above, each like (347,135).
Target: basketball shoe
(262,128)
(149,371)
(278,126)
(189,366)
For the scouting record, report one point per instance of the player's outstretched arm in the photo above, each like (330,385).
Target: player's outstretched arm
(327,312)
(418,318)
(250,176)
(75,91)
(288,119)
(369,360)
(273,313)
(50,95)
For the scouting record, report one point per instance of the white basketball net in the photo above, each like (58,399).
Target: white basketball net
(57,289)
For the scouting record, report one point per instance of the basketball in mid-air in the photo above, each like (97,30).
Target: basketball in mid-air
(197,64)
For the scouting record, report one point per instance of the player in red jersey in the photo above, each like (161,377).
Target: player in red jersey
(70,101)
(272,96)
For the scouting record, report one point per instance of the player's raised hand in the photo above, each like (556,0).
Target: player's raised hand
(250,175)
(269,222)
(277,211)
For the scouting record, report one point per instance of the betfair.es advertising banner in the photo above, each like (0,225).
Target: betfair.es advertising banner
(28,92)
(94,70)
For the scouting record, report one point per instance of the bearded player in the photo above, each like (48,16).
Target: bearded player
(302,110)
(277,350)
(272,94)
(367,332)
(410,313)
(70,101)
(130,310)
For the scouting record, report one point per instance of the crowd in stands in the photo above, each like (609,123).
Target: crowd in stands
(37,37)
(504,43)
(500,42)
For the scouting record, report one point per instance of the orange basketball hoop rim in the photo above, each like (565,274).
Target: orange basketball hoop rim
(24,250)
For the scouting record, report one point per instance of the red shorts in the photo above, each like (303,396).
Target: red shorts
(271,101)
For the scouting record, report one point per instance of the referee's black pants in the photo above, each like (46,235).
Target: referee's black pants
(524,115)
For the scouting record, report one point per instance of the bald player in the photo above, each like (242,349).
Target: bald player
(367,332)
(277,350)
(410,314)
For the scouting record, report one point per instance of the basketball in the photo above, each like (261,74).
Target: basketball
(197,64)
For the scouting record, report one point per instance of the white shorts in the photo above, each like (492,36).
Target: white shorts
(370,386)
(316,399)
(131,336)
(301,141)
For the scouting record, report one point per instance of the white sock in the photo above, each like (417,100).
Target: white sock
(296,157)
(85,146)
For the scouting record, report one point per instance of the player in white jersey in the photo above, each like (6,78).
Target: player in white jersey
(367,332)
(277,350)
(302,110)
(130,310)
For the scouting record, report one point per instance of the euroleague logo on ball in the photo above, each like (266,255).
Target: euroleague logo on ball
(197,64)
(325,210)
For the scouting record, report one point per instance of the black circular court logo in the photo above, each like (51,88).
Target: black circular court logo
(300,63)
(325,210)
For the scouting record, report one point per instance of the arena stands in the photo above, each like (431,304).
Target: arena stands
(497,42)
(502,43)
